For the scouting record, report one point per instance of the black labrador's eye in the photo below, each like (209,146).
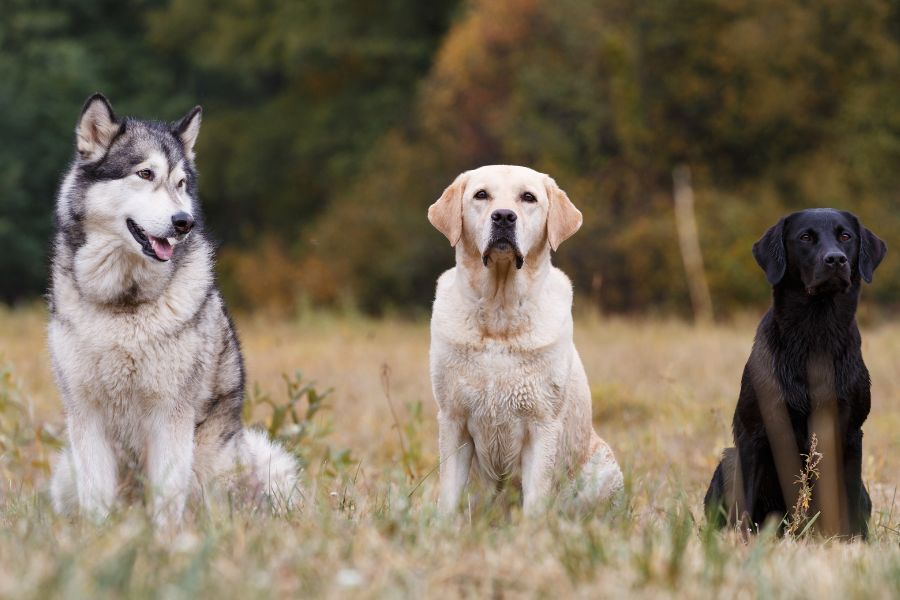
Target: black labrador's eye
(481,195)
(844,237)
(529,197)
(180,184)
(145,174)
(805,237)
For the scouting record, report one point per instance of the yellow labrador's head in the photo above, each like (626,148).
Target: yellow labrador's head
(505,213)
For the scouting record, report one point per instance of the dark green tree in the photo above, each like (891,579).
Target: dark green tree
(53,54)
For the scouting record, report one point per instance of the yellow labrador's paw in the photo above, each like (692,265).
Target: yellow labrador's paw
(598,484)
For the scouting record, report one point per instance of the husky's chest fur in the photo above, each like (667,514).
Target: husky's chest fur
(132,356)
(136,364)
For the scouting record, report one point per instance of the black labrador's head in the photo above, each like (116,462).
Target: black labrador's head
(824,250)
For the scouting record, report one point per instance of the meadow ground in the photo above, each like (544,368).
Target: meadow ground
(663,392)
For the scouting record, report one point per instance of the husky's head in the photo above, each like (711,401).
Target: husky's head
(142,176)
(128,207)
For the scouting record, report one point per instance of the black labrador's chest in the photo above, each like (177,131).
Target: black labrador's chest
(827,387)
(795,376)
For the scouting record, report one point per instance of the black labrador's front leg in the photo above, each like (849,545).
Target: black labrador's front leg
(859,505)
(762,492)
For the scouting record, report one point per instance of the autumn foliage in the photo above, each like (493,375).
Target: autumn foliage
(331,126)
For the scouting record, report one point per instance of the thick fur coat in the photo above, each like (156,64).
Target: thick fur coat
(144,353)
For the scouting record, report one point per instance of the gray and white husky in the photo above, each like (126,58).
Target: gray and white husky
(143,351)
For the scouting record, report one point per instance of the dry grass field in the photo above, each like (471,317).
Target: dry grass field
(663,397)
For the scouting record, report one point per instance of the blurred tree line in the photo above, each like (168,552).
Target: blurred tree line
(330,126)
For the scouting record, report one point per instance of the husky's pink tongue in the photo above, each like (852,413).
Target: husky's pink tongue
(161,247)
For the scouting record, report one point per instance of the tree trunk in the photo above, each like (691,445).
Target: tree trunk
(688,239)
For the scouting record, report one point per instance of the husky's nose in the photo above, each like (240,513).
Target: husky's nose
(503,217)
(183,222)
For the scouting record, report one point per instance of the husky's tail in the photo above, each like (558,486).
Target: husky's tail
(271,468)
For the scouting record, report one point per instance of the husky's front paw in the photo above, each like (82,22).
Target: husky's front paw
(167,512)
(92,464)
(63,493)
(170,460)
(96,501)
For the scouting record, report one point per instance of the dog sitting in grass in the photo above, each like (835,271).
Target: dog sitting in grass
(145,355)
(805,377)
(514,401)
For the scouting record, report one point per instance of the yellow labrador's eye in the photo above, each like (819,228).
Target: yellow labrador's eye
(481,195)
(180,184)
(805,237)
(145,174)
(529,197)
(844,237)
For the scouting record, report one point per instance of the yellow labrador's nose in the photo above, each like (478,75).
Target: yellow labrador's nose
(503,217)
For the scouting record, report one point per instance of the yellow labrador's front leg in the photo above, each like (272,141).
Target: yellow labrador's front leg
(456,449)
(538,465)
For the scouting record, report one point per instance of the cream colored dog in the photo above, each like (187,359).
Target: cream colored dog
(513,397)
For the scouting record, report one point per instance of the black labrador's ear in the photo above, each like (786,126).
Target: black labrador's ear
(871,249)
(769,252)
(871,252)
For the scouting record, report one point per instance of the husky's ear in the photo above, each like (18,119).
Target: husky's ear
(770,253)
(563,219)
(187,129)
(446,213)
(872,249)
(97,127)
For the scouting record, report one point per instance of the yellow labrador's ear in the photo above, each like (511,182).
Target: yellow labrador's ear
(563,219)
(446,213)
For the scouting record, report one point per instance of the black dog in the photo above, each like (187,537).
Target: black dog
(805,374)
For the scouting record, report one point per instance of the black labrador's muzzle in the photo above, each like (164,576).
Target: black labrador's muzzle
(832,275)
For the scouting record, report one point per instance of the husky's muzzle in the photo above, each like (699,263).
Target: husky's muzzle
(503,237)
(159,248)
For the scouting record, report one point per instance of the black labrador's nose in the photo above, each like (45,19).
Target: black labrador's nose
(503,217)
(835,259)
(183,222)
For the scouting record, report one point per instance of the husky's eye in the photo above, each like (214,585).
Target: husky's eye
(529,197)
(145,174)
(180,184)
(481,195)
